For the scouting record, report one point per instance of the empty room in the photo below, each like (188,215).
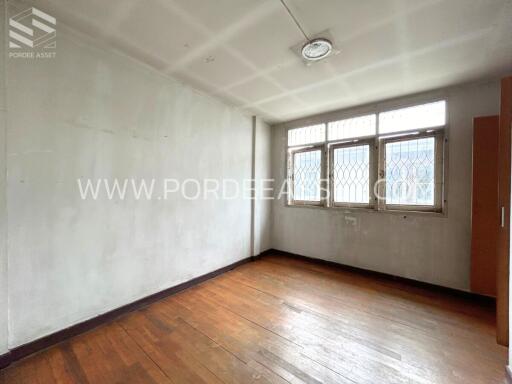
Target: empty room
(255,191)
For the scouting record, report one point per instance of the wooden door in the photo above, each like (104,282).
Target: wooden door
(485,215)
(502,303)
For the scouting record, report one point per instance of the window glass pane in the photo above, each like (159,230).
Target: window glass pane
(350,128)
(351,173)
(306,135)
(420,116)
(410,172)
(306,175)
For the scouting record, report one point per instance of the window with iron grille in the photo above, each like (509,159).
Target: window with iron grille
(410,171)
(413,171)
(350,174)
(355,127)
(388,160)
(307,174)
(306,135)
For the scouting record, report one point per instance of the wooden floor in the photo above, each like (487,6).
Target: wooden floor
(281,320)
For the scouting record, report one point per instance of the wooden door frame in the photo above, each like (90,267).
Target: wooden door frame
(503,262)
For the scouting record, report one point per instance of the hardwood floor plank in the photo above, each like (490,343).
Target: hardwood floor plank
(372,310)
(257,346)
(313,339)
(429,351)
(281,320)
(178,340)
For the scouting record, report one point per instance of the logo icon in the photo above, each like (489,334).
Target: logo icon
(32,28)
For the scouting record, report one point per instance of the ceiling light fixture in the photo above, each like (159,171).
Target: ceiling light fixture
(314,49)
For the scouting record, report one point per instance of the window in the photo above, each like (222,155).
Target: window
(306,135)
(412,178)
(351,128)
(307,173)
(411,118)
(410,172)
(390,160)
(350,174)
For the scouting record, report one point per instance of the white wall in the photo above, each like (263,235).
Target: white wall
(421,247)
(92,113)
(3,213)
(263,175)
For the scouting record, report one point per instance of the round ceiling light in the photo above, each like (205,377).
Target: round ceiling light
(316,49)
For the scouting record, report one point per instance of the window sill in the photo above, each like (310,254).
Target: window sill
(398,212)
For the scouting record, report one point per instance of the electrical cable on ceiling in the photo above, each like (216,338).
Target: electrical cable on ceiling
(313,49)
(295,20)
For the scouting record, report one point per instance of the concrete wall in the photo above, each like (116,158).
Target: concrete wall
(421,247)
(93,113)
(263,175)
(3,213)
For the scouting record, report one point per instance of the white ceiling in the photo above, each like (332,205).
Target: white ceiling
(239,50)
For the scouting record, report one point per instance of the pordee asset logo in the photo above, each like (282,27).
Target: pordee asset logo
(32,35)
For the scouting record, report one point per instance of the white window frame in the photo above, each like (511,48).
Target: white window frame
(372,172)
(377,163)
(291,182)
(439,171)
